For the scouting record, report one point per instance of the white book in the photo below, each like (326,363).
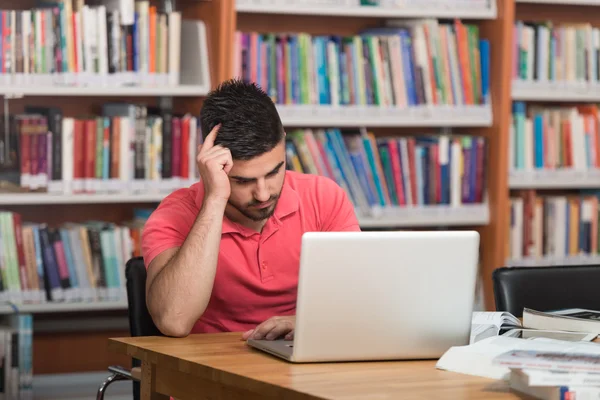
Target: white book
(174,47)
(539,384)
(485,324)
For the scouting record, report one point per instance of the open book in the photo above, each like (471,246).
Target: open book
(487,324)
(572,319)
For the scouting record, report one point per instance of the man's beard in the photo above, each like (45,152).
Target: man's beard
(257,214)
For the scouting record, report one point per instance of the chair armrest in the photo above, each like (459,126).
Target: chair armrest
(136,373)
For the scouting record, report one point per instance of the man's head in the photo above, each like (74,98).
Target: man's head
(251,129)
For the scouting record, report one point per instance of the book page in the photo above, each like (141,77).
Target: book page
(494,318)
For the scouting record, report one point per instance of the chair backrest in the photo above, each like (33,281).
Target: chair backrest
(140,321)
(546,288)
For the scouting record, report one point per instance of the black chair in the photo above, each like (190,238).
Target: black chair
(140,324)
(546,288)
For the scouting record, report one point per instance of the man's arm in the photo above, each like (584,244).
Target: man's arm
(180,280)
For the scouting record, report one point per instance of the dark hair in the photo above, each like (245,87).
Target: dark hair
(250,124)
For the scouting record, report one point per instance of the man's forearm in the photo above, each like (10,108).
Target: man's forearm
(179,294)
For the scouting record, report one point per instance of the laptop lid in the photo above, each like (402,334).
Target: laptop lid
(384,295)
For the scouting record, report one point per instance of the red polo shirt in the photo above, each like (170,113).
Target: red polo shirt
(257,273)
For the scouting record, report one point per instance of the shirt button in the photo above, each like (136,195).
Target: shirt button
(264,265)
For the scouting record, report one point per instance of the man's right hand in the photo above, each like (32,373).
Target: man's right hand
(214,163)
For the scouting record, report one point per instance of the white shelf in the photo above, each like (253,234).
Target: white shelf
(58,90)
(373,116)
(564,2)
(555,91)
(64,307)
(193,75)
(294,8)
(554,179)
(553,261)
(426,216)
(43,198)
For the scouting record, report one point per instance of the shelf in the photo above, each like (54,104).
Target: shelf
(553,261)
(308,116)
(282,7)
(555,91)
(43,198)
(563,2)
(554,179)
(64,307)
(426,216)
(58,90)
(193,76)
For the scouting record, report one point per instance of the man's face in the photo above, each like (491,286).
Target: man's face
(256,184)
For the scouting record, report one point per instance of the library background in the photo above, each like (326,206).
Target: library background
(431,114)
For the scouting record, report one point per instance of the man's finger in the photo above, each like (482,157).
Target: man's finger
(261,330)
(209,141)
(282,328)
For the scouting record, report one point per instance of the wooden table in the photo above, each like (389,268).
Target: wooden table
(222,366)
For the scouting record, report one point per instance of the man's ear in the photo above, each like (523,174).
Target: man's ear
(284,133)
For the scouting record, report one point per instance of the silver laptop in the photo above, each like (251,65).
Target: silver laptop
(381,296)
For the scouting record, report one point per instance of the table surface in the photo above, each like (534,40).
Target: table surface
(227,360)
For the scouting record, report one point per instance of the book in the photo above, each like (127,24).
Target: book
(565,359)
(536,384)
(477,359)
(572,319)
(487,324)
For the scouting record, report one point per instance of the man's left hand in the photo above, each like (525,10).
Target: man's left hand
(273,328)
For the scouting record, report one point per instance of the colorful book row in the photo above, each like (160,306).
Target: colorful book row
(69,43)
(16,358)
(556,137)
(72,262)
(555,52)
(127,143)
(553,226)
(405,64)
(393,172)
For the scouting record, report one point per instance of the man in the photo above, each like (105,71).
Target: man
(223,255)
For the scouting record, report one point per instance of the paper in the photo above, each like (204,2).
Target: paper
(476,359)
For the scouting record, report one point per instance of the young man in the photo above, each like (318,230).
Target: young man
(223,255)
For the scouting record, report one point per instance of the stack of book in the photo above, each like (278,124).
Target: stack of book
(401,171)
(73,262)
(553,138)
(406,64)
(128,148)
(553,227)
(556,53)
(70,43)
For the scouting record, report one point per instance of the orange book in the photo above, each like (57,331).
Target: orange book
(574,222)
(152,39)
(115,146)
(463,61)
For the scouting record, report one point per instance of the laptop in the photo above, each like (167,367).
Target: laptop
(381,296)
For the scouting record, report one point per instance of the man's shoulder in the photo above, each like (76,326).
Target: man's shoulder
(310,182)
(183,199)
(314,190)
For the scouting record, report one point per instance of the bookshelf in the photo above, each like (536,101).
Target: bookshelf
(188,69)
(353,9)
(488,117)
(484,120)
(553,165)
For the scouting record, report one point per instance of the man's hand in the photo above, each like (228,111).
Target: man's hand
(214,163)
(273,328)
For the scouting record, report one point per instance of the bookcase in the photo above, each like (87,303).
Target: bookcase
(333,128)
(554,169)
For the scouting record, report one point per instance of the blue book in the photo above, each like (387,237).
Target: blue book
(484,60)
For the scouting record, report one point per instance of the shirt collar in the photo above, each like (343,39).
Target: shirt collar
(288,203)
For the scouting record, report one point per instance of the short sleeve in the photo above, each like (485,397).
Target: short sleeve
(336,210)
(168,226)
